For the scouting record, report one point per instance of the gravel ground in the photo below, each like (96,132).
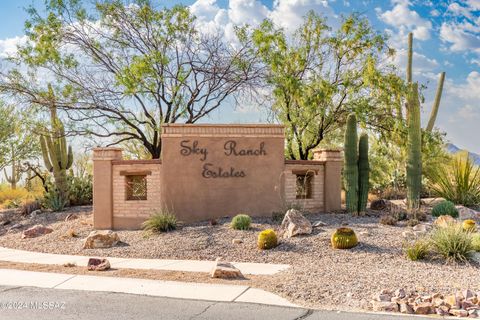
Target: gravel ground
(320,277)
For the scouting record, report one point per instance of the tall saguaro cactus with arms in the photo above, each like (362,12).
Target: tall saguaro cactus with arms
(350,170)
(57,156)
(363,172)
(414,146)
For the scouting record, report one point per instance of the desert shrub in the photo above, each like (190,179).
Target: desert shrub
(15,195)
(12,203)
(452,243)
(476,241)
(30,206)
(267,239)
(445,208)
(417,250)
(161,221)
(400,215)
(388,220)
(412,222)
(241,222)
(458,181)
(80,190)
(53,200)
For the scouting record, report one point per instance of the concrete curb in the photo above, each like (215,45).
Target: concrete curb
(22,256)
(159,288)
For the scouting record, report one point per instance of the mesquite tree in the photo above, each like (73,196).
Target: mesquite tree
(121,70)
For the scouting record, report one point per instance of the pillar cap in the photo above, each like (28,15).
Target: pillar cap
(107,154)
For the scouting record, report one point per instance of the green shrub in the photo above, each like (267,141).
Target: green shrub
(458,181)
(53,200)
(452,243)
(445,208)
(476,241)
(388,220)
(241,222)
(162,221)
(417,250)
(80,190)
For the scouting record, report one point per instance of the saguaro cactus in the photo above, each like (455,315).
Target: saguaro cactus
(363,172)
(57,156)
(414,147)
(16,174)
(436,103)
(350,169)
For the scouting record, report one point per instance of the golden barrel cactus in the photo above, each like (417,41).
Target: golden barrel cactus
(267,239)
(469,225)
(344,238)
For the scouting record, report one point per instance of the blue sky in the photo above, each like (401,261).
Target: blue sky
(447,38)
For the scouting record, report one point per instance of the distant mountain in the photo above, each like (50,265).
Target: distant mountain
(451,148)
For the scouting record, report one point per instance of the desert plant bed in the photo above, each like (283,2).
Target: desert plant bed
(319,276)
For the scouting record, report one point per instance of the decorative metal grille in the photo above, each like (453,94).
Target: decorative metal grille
(304,186)
(136,187)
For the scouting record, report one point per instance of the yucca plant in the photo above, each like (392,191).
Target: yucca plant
(458,181)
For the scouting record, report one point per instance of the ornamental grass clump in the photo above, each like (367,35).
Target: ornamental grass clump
(476,241)
(162,221)
(445,208)
(241,222)
(267,239)
(417,250)
(452,243)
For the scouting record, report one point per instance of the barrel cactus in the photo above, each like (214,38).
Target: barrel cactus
(469,225)
(344,238)
(267,239)
(350,170)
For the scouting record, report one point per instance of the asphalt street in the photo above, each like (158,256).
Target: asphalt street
(46,304)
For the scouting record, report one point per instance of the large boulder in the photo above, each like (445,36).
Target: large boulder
(465,213)
(95,264)
(36,231)
(294,223)
(101,239)
(225,270)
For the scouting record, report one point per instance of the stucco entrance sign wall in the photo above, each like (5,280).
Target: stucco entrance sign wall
(221,170)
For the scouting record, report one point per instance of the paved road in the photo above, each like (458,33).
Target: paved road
(47,304)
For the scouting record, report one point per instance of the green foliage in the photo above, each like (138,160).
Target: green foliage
(241,222)
(452,243)
(458,181)
(344,238)
(350,167)
(445,208)
(309,97)
(476,241)
(12,203)
(54,200)
(414,148)
(363,173)
(267,239)
(13,195)
(417,250)
(80,190)
(161,221)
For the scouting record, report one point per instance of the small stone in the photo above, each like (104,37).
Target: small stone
(408,235)
(383,297)
(465,213)
(36,231)
(426,298)
(95,264)
(452,301)
(364,233)
(406,308)
(69,264)
(294,223)
(70,234)
(442,310)
(384,306)
(468,294)
(400,293)
(34,214)
(71,216)
(424,308)
(16,226)
(437,295)
(458,312)
(437,302)
(237,241)
(225,270)
(467,305)
(421,228)
(318,224)
(101,239)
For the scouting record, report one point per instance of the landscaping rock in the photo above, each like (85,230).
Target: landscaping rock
(318,224)
(225,270)
(400,293)
(36,231)
(458,312)
(71,216)
(424,308)
(294,223)
(384,306)
(95,264)
(406,308)
(5,222)
(467,213)
(101,239)
(452,301)
(237,241)
(379,204)
(34,214)
(383,297)
(421,228)
(444,221)
(468,294)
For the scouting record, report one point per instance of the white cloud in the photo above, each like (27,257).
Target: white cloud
(421,63)
(406,20)
(459,38)
(9,46)
(289,13)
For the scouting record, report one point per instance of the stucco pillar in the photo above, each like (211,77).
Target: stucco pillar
(333,177)
(103,187)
